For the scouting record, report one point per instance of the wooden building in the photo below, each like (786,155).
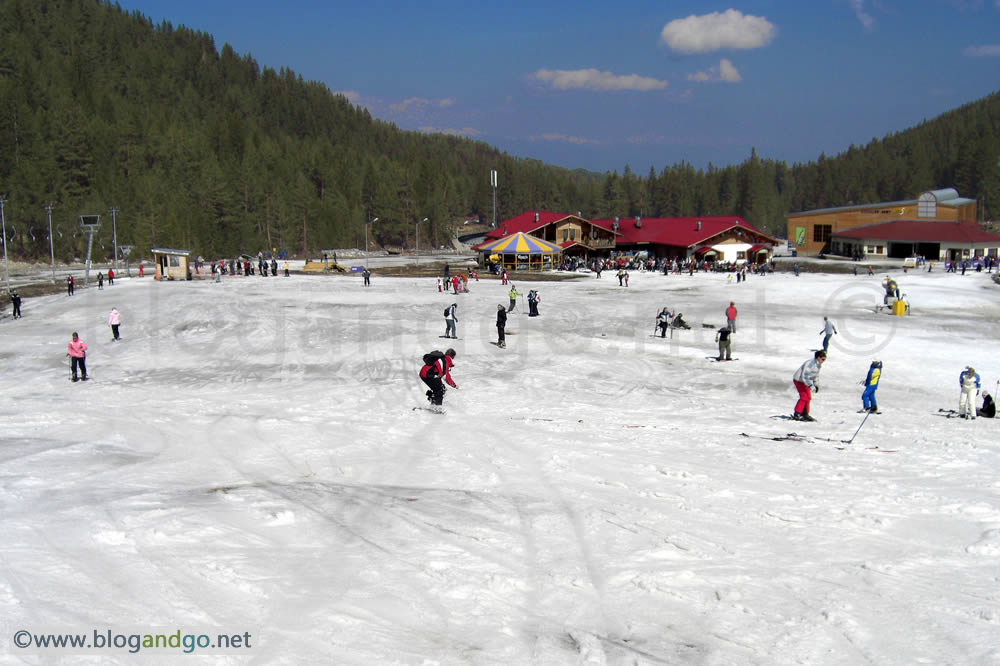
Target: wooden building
(576,235)
(172,264)
(812,231)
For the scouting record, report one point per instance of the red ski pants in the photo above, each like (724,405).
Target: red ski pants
(805,397)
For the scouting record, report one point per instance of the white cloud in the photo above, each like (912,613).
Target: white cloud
(565,138)
(859,10)
(730,29)
(418,104)
(726,72)
(353,96)
(592,79)
(987,51)
(451,131)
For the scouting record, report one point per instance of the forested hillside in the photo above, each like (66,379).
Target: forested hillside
(204,148)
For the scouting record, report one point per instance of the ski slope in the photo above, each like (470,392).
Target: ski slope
(248,458)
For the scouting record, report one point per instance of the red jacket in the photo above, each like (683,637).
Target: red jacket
(731,312)
(435,370)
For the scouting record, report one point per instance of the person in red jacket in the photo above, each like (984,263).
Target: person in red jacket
(437,367)
(731,316)
(77,351)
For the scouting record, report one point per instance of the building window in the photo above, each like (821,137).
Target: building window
(565,235)
(822,232)
(572,233)
(741,254)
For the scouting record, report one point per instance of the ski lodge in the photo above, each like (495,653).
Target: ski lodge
(727,239)
(939,224)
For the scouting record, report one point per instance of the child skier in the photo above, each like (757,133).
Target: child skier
(871,383)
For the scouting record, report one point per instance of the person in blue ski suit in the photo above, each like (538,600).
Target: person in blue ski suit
(871,383)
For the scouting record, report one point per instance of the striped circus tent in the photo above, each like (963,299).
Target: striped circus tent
(521,252)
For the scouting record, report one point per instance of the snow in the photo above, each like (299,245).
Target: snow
(248,458)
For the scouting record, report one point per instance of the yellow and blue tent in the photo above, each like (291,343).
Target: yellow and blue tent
(521,243)
(523,252)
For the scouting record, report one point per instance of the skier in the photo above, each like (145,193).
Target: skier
(533,303)
(989,409)
(367,275)
(15,304)
(731,317)
(805,379)
(829,330)
(450,318)
(100,281)
(111,277)
(501,324)
(437,366)
(77,352)
(454,284)
(663,322)
(69,285)
(679,322)
(725,346)
(968,381)
(870,383)
(514,293)
(114,321)
(143,273)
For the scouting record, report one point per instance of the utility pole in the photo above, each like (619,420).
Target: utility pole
(3,223)
(52,251)
(114,233)
(493,182)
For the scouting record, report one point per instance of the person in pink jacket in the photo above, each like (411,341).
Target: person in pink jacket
(114,321)
(77,352)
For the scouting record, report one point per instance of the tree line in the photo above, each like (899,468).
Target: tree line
(203,148)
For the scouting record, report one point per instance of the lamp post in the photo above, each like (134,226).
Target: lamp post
(416,237)
(366,239)
(52,251)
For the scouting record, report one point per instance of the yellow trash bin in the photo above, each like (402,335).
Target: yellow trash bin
(899,308)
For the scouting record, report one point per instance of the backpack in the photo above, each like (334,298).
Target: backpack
(431,357)
(446,310)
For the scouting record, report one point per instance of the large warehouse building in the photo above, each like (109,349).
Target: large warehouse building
(825,230)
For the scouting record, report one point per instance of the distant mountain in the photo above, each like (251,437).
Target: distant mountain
(206,149)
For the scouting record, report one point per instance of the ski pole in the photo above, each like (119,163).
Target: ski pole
(848,441)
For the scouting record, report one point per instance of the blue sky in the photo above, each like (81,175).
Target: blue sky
(599,85)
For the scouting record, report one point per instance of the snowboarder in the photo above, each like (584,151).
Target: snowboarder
(989,409)
(15,304)
(114,321)
(450,318)
(501,324)
(805,380)
(725,346)
(870,383)
(663,321)
(77,352)
(514,293)
(829,330)
(731,317)
(437,367)
(968,382)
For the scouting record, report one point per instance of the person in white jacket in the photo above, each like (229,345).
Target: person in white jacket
(450,318)
(805,380)
(968,381)
(114,321)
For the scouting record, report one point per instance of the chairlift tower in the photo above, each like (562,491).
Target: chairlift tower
(89,224)
(126,251)
(114,233)
(52,249)
(493,182)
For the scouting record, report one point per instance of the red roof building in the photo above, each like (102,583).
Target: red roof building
(934,239)
(728,239)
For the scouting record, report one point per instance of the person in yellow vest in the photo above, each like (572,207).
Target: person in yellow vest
(514,293)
